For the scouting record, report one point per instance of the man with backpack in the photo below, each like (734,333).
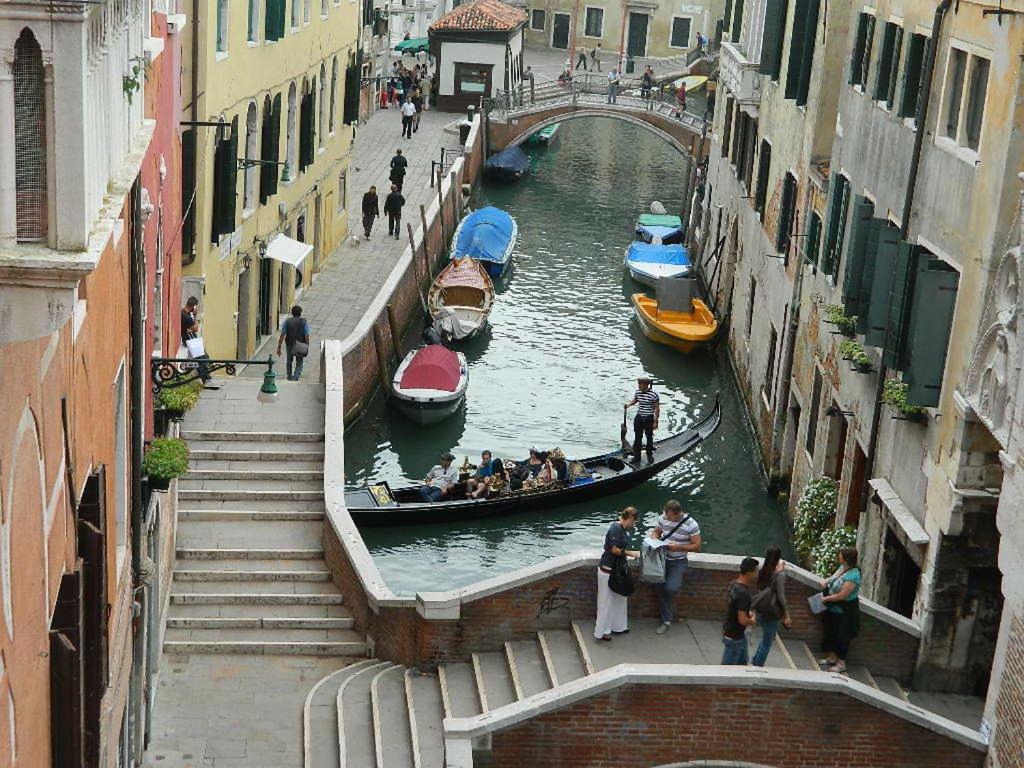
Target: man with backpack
(295,336)
(682,536)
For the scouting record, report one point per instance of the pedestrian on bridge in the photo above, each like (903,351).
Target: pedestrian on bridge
(527,75)
(595,57)
(682,535)
(738,615)
(581,60)
(612,618)
(371,210)
(613,86)
(393,208)
(398,166)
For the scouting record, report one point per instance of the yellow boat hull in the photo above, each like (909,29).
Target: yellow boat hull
(683,331)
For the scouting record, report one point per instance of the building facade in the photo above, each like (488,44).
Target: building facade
(863,199)
(273,96)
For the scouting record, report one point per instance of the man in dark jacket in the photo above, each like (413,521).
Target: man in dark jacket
(393,208)
(398,166)
(417,101)
(371,210)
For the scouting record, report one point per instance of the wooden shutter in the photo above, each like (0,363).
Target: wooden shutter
(900,298)
(869,37)
(857,58)
(350,98)
(881,289)
(727,128)
(275,145)
(786,211)
(225,185)
(727,16)
(881,236)
(737,21)
(764,164)
(772,36)
(813,239)
(305,131)
(267,172)
(94,631)
(912,76)
(66,673)
(861,226)
(797,41)
(807,61)
(928,329)
(890,97)
(188,190)
(844,204)
(885,62)
(220,147)
(273,26)
(836,224)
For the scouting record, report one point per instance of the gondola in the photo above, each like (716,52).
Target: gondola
(380,505)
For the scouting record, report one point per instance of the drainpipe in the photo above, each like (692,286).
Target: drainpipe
(920,118)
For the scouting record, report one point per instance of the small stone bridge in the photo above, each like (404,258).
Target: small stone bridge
(513,116)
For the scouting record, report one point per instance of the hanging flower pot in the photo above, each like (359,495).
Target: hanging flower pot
(165,459)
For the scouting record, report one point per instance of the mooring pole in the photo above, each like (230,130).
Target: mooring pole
(382,361)
(396,336)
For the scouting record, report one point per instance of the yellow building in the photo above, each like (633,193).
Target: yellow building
(282,80)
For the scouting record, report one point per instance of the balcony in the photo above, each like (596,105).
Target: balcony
(739,74)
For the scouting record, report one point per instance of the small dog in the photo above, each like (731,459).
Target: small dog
(355,240)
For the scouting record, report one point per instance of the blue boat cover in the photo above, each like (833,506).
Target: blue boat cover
(657,254)
(648,233)
(513,160)
(484,235)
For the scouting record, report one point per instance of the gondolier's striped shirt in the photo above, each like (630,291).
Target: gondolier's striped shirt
(646,401)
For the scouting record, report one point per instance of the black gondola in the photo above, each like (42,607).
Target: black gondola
(380,505)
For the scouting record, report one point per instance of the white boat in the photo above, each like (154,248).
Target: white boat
(647,262)
(430,384)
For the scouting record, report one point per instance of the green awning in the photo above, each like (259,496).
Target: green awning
(415,45)
(654,220)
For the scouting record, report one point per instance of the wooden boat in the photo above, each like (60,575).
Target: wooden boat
(647,263)
(380,505)
(544,136)
(677,317)
(508,165)
(430,384)
(488,235)
(692,83)
(460,299)
(651,227)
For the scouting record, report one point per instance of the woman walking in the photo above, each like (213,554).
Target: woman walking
(611,607)
(842,619)
(770,602)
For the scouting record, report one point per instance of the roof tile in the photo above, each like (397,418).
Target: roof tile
(482,15)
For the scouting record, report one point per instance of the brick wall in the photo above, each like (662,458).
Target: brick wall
(776,727)
(1009,736)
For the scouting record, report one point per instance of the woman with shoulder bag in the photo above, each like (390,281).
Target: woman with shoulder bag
(770,602)
(842,619)
(611,606)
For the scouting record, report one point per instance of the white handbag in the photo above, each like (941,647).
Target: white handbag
(195,347)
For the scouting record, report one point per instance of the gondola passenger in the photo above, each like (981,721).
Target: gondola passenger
(483,471)
(441,480)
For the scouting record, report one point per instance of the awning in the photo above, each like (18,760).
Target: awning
(413,46)
(289,251)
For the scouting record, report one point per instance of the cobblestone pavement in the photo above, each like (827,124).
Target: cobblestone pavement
(339,295)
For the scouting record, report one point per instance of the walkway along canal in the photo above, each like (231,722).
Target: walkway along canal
(555,369)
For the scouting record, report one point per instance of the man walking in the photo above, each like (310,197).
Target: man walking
(528,75)
(595,57)
(408,110)
(189,331)
(683,536)
(647,413)
(371,210)
(294,332)
(581,59)
(613,86)
(393,208)
(738,616)
(398,166)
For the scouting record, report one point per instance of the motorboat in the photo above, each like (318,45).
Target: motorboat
(677,318)
(380,505)
(430,384)
(648,262)
(508,165)
(488,236)
(545,135)
(460,299)
(664,229)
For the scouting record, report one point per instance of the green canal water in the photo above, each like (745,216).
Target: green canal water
(556,368)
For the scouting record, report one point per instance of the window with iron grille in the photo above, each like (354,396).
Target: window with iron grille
(30,140)
(594,26)
(680,37)
(537,19)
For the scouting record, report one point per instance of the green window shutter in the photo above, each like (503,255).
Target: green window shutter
(882,235)
(220,148)
(869,38)
(928,330)
(727,16)
(225,180)
(885,62)
(890,96)
(305,131)
(813,239)
(270,20)
(857,58)
(881,288)
(912,76)
(807,60)
(797,42)
(188,190)
(772,36)
(313,123)
(764,164)
(275,144)
(351,95)
(831,214)
(231,173)
(786,212)
(900,298)
(737,20)
(269,150)
(861,227)
(844,207)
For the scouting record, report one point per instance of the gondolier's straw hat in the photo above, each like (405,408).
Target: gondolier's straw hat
(644,377)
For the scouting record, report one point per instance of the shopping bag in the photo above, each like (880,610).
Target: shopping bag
(195,347)
(652,561)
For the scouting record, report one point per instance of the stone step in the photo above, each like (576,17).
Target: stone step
(392,738)
(207,473)
(246,532)
(220,574)
(642,642)
(248,496)
(267,648)
(236,555)
(242,586)
(209,455)
(260,622)
(254,598)
(561,656)
(247,515)
(320,718)
(966,710)
(249,505)
(861,674)
(190,485)
(891,686)
(426,713)
(260,634)
(493,680)
(800,653)
(355,718)
(265,611)
(458,690)
(529,673)
(252,437)
(253,565)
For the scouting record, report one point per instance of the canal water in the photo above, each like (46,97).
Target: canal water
(555,369)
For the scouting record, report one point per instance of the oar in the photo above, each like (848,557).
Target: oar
(622,432)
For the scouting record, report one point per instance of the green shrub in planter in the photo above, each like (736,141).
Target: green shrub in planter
(837,316)
(826,553)
(854,352)
(165,459)
(816,512)
(179,399)
(894,394)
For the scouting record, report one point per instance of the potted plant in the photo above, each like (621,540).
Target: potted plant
(835,315)
(825,555)
(816,512)
(894,394)
(854,352)
(177,400)
(165,459)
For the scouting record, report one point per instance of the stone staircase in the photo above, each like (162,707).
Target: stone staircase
(380,714)
(250,576)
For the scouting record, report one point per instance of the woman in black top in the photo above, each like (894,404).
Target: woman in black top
(611,607)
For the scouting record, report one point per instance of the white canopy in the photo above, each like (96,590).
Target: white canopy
(289,251)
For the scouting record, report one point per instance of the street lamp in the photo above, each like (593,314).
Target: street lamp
(172,372)
(268,391)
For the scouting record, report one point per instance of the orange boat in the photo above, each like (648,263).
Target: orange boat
(678,328)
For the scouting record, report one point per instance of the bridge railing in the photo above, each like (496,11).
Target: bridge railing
(591,90)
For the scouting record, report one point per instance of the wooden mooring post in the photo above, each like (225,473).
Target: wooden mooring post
(396,334)
(382,360)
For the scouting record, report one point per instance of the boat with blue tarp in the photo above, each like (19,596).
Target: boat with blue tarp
(508,165)
(652,228)
(647,262)
(486,235)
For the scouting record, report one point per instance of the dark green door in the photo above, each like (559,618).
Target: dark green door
(560,31)
(637,42)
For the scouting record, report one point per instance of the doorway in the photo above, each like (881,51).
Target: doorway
(900,574)
(636,44)
(244,315)
(560,31)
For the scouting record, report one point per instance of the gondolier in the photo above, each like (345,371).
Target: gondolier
(646,419)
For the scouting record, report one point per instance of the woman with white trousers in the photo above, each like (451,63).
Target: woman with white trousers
(611,607)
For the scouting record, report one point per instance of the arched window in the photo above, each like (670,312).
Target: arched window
(251,139)
(334,94)
(290,156)
(254,21)
(30,140)
(296,14)
(322,118)
(223,14)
